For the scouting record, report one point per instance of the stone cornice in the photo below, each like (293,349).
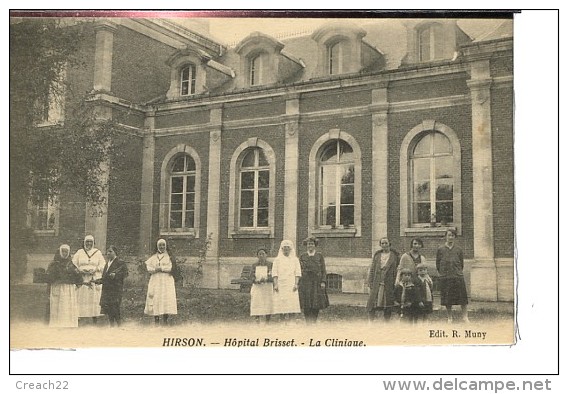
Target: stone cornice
(486,49)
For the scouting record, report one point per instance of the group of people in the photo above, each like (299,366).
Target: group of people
(88,286)
(404,284)
(292,285)
(289,285)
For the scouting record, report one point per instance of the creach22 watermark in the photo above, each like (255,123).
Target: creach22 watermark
(49,385)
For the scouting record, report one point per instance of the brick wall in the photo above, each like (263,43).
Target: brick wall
(338,98)
(403,91)
(503,172)
(185,118)
(123,225)
(254,109)
(139,71)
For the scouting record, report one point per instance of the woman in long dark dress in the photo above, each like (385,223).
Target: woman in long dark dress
(381,281)
(312,286)
(449,263)
(114,273)
(63,277)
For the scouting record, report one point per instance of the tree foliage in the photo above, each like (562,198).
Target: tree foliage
(66,155)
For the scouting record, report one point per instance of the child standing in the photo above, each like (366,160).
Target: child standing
(426,286)
(408,297)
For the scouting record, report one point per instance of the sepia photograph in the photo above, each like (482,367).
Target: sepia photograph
(261,180)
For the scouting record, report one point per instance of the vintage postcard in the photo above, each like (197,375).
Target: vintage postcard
(213,180)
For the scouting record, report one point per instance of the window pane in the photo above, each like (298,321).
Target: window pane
(175,219)
(247,180)
(445,190)
(444,212)
(190,183)
(176,201)
(189,219)
(263,179)
(328,215)
(248,160)
(424,39)
(422,191)
(51,221)
(185,88)
(347,194)
(421,169)
(328,176)
(263,198)
(423,146)
(262,162)
(189,199)
(441,143)
(185,74)
(42,220)
(190,163)
(444,167)
(246,218)
(347,215)
(329,153)
(421,213)
(345,152)
(262,219)
(177,184)
(348,176)
(247,199)
(179,165)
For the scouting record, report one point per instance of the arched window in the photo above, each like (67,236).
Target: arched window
(430,42)
(180,192)
(336,185)
(254,191)
(187,80)
(335,58)
(255,68)
(430,178)
(432,172)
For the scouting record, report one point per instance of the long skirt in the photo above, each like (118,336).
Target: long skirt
(63,308)
(286,300)
(89,299)
(312,296)
(261,299)
(453,291)
(161,297)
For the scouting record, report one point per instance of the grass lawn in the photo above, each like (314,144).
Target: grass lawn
(28,303)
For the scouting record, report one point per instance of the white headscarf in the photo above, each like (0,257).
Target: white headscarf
(89,238)
(161,240)
(292,250)
(62,248)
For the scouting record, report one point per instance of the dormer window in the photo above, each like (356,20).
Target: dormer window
(340,49)
(335,57)
(430,42)
(260,60)
(255,70)
(187,80)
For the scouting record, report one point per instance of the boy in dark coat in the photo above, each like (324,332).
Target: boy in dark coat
(408,297)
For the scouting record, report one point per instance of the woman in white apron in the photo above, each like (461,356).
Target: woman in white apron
(286,273)
(90,262)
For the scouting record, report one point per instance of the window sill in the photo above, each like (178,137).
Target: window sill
(45,233)
(335,232)
(429,231)
(251,234)
(178,233)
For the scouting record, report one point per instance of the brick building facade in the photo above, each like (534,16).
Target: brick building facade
(397,128)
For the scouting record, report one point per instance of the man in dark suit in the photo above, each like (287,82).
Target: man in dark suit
(112,280)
